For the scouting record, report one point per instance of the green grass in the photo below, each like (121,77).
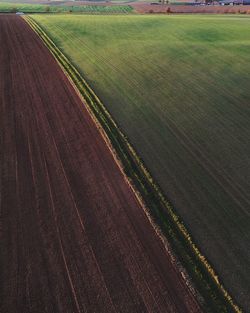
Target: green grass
(40,8)
(178,86)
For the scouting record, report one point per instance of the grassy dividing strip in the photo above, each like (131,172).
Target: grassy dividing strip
(216,298)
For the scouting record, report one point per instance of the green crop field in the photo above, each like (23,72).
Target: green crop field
(179,88)
(13,7)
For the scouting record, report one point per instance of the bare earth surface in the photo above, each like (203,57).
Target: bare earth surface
(73,236)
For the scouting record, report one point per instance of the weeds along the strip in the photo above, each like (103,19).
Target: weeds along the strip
(215,296)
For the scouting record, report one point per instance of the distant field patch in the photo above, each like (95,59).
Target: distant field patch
(10,7)
(178,86)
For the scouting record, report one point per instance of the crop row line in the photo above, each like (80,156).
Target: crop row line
(215,297)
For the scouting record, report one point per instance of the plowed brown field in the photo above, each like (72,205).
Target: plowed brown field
(73,236)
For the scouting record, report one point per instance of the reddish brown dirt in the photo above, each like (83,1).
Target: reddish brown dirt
(144,7)
(73,236)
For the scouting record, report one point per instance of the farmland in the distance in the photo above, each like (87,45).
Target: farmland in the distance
(178,86)
(12,7)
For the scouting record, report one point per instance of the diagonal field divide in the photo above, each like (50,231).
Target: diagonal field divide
(217,299)
(74,235)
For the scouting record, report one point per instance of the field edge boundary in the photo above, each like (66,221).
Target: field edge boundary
(157,207)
